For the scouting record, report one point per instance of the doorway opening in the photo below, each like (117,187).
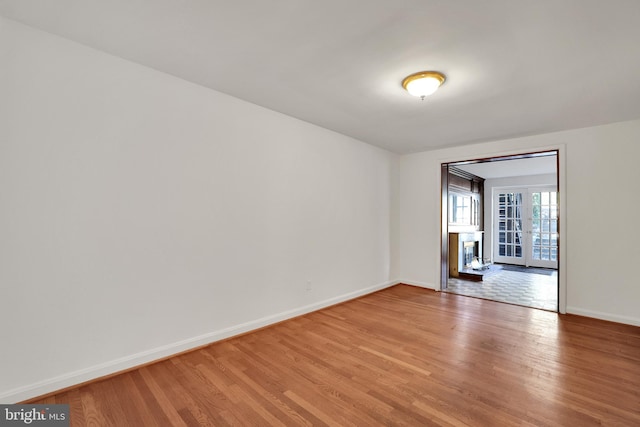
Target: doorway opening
(500,229)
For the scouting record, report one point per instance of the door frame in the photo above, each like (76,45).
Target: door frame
(559,151)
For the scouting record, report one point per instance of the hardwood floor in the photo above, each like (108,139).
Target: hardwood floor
(401,356)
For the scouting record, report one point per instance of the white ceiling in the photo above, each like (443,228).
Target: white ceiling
(513,68)
(513,167)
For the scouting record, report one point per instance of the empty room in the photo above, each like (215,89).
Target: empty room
(296,213)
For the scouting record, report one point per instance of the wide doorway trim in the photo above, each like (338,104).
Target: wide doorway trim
(560,152)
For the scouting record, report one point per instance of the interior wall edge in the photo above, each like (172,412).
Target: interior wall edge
(126,363)
(420,284)
(611,317)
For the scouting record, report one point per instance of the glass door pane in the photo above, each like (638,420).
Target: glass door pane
(510,235)
(544,229)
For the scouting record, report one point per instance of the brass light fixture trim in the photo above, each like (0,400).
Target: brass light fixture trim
(431,75)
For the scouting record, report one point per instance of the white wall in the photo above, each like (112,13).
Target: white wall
(143,215)
(524,181)
(598,176)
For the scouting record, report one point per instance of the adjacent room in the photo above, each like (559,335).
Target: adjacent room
(503,222)
(243,213)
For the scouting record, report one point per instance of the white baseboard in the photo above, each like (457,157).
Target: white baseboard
(604,316)
(83,375)
(420,284)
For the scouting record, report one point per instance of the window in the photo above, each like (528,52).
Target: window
(463,209)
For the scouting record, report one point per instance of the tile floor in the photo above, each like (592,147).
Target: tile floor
(531,290)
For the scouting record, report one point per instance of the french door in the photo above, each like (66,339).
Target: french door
(526,226)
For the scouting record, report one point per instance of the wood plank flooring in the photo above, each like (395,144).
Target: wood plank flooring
(401,356)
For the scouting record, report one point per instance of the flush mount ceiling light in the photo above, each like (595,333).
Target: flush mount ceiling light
(423,83)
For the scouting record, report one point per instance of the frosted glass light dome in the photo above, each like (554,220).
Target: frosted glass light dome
(423,83)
